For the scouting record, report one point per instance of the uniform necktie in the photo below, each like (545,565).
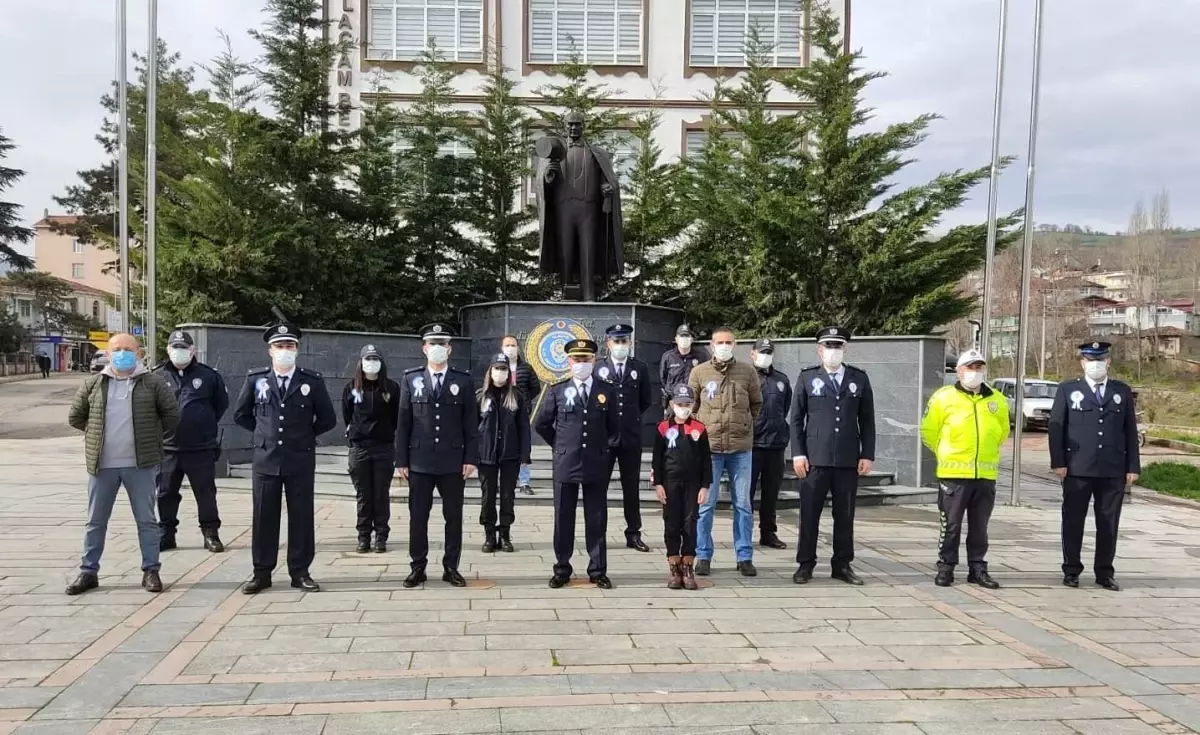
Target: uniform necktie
(837,382)
(437,383)
(583,394)
(620,373)
(1099,392)
(282,384)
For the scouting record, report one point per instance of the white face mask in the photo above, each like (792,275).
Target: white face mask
(972,379)
(371,366)
(682,412)
(763,360)
(437,354)
(832,358)
(180,356)
(511,352)
(619,352)
(581,370)
(685,343)
(1097,370)
(284,359)
(724,353)
(499,377)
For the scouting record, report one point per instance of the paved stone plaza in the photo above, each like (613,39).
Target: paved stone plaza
(896,657)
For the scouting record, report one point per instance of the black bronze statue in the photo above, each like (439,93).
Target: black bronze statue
(579,211)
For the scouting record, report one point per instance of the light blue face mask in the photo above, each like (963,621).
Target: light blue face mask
(124,360)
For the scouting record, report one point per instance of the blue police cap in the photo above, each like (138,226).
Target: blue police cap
(284,332)
(683,394)
(1095,350)
(436,333)
(580,348)
(618,331)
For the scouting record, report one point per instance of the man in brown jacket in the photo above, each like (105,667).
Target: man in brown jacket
(123,413)
(728,399)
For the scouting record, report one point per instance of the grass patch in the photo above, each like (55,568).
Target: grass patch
(1172,478)
(1183,436)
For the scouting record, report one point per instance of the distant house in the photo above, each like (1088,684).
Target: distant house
(1127,318)
(62,349)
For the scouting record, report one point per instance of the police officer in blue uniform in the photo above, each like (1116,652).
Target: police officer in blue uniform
(630,378)
(675,366)
(287,408)
(833,442)
(437,448)
(771,435)
(577,420)
(192,449)
(1094,451)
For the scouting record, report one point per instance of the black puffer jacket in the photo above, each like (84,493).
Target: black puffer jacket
(504,435)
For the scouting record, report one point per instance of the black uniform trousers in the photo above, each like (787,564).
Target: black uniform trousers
(629,462)
(498,480)
(1107,494)
(595,526)
(200,468)
(679,517)
(371,473)
(766,467)
(975,499)
(579,239)
(269,493)
(420,503)
(842,483)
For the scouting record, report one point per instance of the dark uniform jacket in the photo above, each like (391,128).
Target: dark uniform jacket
(833,428)
(371,415)
(504,435)
(633,396)
(527,380)
(285,427)
(681,455)
(437,434)
(1094,439)
(771,426)
(579,436)
(203,400)
(674,369)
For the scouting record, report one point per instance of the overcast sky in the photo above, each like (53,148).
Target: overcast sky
(1120,92)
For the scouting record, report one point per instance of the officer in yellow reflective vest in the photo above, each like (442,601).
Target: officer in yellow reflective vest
(964,426)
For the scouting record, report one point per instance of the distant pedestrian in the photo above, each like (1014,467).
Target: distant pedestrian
(45,364)
(504,445)
(370,411)
(524,377)
(965,425)
(683,467)
(771,436)
(123,412)
(1094,451)
(193,448)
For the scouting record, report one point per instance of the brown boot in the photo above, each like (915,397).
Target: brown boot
(675,580)
(689,575)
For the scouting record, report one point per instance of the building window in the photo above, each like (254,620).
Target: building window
(25,308)
(454,148)
(623,145)
(72,306)
(605,32)
(77,270)
(76,247)
(401,29)
(693,142)
(96,310)
(719,30)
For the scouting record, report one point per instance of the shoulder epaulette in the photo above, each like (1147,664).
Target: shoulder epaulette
(810,367)
(256,371)
(460,371)
(413,370)
(559,382)
(853,367)
(308,372)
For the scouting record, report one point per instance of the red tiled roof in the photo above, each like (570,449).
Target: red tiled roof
(57,219)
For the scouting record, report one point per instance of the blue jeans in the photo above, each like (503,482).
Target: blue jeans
(738,464)
(523,476)
(140,485)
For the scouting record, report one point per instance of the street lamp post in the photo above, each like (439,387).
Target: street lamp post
(993,183)
(123,165)
(151,186)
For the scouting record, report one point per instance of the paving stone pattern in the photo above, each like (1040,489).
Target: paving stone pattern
(508,655)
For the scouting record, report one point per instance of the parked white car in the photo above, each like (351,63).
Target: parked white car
(1039,398)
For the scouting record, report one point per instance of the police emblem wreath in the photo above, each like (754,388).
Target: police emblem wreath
(544,347)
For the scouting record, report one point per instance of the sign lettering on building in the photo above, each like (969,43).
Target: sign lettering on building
(345,69)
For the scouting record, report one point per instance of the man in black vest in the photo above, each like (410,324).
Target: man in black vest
(287,408)
(771,434)
(630,378)
(437,448)
(1094,451)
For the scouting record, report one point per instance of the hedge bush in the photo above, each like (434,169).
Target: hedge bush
(1172,478)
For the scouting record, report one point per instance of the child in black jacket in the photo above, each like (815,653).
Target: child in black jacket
(682,468)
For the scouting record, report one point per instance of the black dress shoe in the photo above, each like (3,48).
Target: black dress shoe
(802,576)
(415,579)
(256,585)
(558,581)
(848,576)
(151,582)
(602,581)
(489,545)
(703,567)
(771,541)
(635,542)
(364,546)
(167,543)
(305,583)
(84,582)
(1109,584)
(944,578)
(212,542)
(983,579)
(526,490)
(454,578)
(506,544)
(747,568)
(380,546)
(1070,580)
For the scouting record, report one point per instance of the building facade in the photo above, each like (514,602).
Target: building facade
(63,348)
(65,257)
(664,54)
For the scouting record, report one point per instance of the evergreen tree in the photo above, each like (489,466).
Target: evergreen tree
(48,295)
(579,94)
(12,335)
(11,231)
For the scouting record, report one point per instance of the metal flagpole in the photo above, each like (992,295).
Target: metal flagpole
(123,165)
(151,185)
(1027,254)
(993,185)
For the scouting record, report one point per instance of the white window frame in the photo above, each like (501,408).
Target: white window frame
(701,134)
(628,10)
(379,10)
(76,247)
(25,308)
(716,10)
(457,148)
(77,271)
